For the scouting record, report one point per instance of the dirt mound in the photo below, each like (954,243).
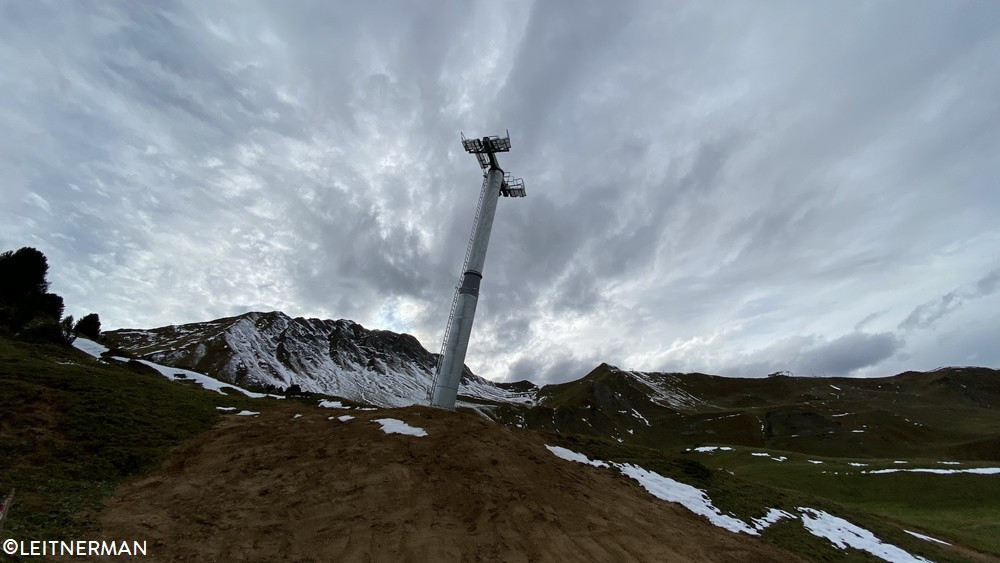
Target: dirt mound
(275,487)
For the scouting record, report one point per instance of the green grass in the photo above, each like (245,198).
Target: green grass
(948,414)
(959,508)
(72,428)
(760,484)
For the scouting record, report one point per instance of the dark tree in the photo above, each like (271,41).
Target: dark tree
(22,273)
(51,305)
(89,326)
(67,329)
(24,296)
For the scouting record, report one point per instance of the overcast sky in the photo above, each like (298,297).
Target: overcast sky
(727,187)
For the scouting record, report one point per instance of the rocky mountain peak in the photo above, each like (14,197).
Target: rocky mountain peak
(270,350)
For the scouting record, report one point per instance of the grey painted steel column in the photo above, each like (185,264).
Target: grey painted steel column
(446,390)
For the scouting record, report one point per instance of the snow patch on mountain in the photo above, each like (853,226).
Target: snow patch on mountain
(339,358)
(844,534)
(89,346)
(209,383)
(973,470)
(839,532)
(96,350)
(665,390)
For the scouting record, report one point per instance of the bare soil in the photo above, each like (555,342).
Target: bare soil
(278,488)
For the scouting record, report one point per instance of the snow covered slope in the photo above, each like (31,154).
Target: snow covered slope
(97,350)
(270,351)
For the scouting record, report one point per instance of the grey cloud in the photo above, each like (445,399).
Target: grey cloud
(868,318)
(543,372)
(553,61)
(692,171)
(815,356)
(524,368)
(576,293)
(851,352)
(956,342)
(582,246)
(988,284)
(926,314)
(510,333)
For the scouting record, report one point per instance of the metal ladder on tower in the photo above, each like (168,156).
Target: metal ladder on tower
(454,300)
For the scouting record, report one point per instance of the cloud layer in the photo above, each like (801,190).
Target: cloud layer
(736,188)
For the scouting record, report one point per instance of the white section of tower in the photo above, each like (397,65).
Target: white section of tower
(460,328)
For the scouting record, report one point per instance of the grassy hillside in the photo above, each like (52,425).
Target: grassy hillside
(963,511)
(72,428)
(951,413)
(958,508)
(944,419)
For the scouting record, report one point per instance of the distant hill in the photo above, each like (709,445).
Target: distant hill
(267,351)
(947,412)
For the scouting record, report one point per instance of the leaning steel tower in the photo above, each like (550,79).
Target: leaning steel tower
(496,183)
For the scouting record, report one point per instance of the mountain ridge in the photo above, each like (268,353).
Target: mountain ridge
(269,351)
